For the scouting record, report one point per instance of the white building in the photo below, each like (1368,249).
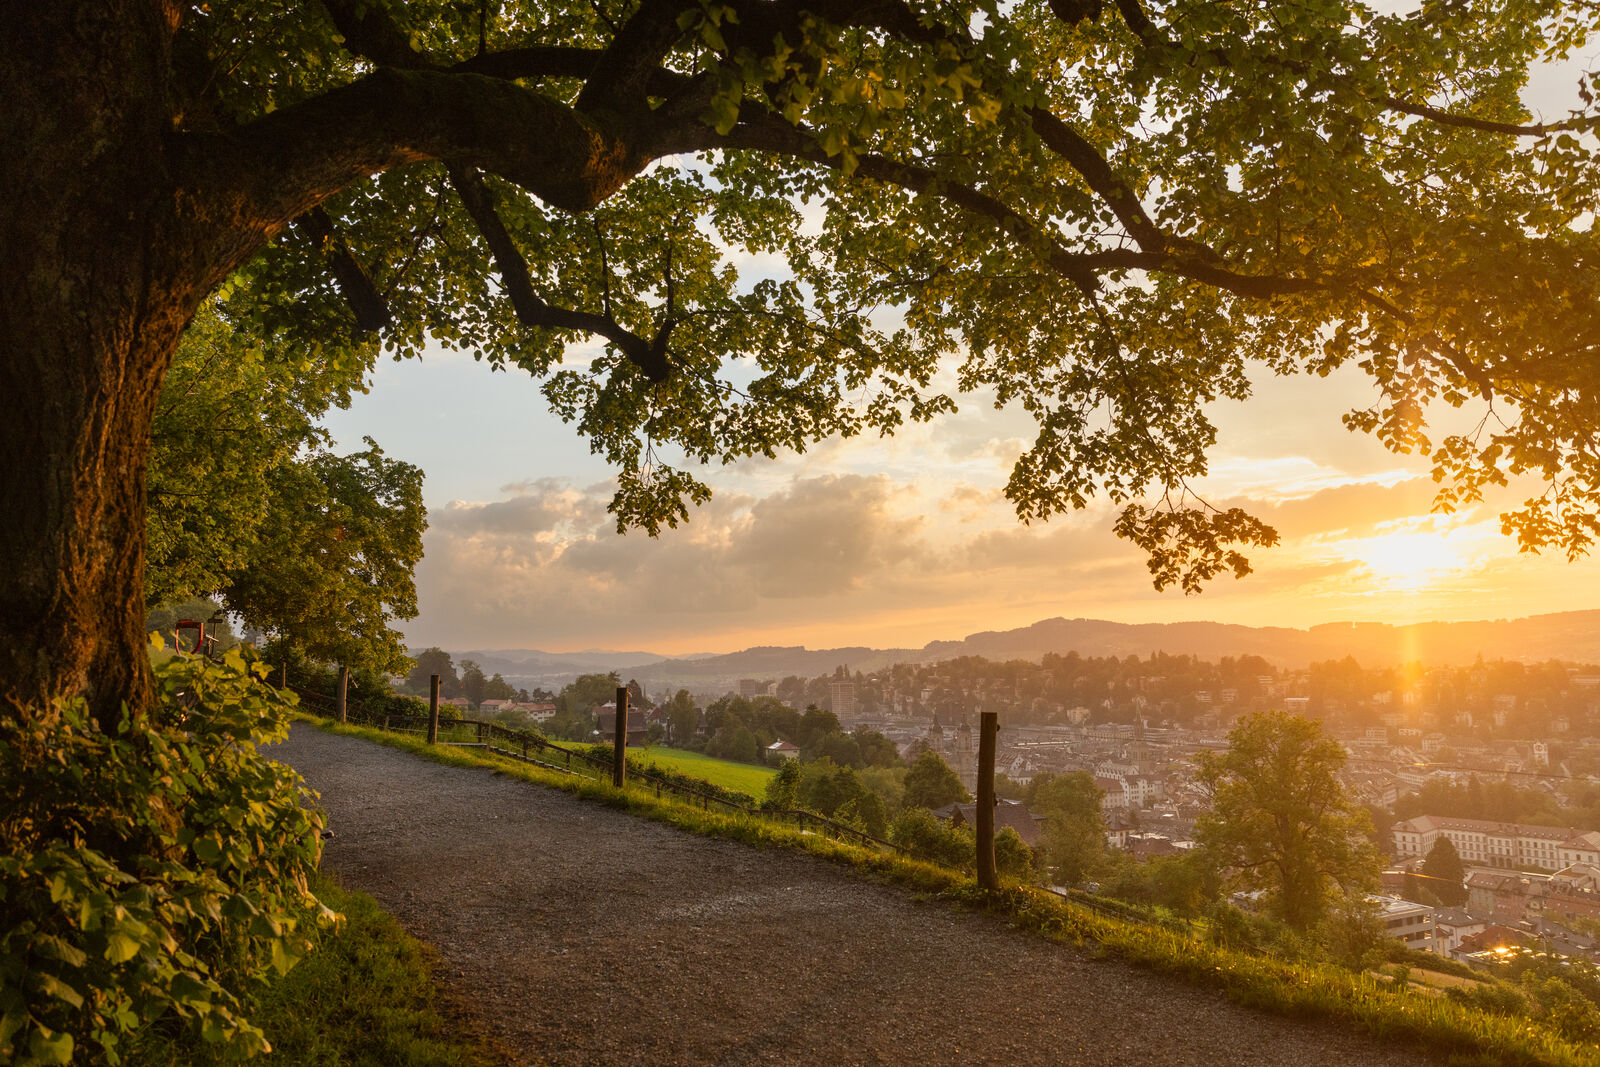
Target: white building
(1499,844)
(1408,921)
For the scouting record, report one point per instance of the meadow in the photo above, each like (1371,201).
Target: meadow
(744,777)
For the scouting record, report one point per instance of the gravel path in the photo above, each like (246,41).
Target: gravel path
(583,935)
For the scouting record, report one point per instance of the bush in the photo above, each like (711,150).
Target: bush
(928,837)
(1012,858)
(154,874)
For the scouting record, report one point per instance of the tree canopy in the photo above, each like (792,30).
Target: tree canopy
(1445,873)
(246,502)
(1106,214)
(930,783)
(1280,820)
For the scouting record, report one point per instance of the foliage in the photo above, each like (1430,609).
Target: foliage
(782,786)
(683,718)
(930,783)
(928,837)
(1501,801)
(1272,212)
(151,876)
(866,812)
(244,502)
(825,788)
(431,661)
(365,995)
(474,683)
(1012,858)
(583,694)
(1445,873)
(1184,884)
(1280,820)
(331,567)
(233,411)
(1074,826)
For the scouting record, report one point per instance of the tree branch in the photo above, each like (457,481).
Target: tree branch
(371,309)
(532,312)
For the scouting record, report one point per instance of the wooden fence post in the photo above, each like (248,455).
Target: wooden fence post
(989,726)
(344,684)
(619,745)
(433,709)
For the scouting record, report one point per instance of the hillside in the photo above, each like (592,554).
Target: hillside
(1572,635)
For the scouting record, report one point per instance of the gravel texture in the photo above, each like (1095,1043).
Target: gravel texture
(581,935)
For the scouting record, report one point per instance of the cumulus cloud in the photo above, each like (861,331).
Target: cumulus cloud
(855,558)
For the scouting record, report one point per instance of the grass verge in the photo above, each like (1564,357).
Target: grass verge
(1288,987)
(741,777)
(365,998)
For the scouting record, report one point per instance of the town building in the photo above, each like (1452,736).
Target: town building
(1516,846)
(1408,922)
(606,721)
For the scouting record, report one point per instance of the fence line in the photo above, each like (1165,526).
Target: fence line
(530,747)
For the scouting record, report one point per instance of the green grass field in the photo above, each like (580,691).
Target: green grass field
(744,777)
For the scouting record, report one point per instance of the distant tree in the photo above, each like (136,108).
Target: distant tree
(928,837)
(584,693)
(498,689)
(474,686)
(431,661)
(781,786)
(888,782)
(1074,826)
(735,741)
(930,783)
(842,749)
(825,787)
(815,725)
(636,695)
(1445,874)
(1280,821)
(683,718)
(876,749)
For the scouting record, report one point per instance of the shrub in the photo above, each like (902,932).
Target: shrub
(928,837)
(152,875)
(1012,858)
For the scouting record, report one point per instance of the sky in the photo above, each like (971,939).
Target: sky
(898,542)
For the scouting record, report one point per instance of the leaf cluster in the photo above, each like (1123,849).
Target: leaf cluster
(152,876)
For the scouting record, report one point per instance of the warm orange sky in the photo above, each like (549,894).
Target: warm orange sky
(905,541)
(899,542)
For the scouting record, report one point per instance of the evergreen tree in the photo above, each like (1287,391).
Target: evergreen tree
(1444,874)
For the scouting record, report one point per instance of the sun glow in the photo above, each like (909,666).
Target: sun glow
(1408,561)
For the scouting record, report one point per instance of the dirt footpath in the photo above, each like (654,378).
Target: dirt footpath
(586,936)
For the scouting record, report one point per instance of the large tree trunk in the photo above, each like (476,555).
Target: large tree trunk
(91,307)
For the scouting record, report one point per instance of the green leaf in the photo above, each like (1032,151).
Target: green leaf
(50,1047)
(120,947)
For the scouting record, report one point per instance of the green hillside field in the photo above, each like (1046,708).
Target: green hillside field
(745,777)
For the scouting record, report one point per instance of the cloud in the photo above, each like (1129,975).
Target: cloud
(847,559)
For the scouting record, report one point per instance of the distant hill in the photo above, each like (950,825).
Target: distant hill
(1571,635)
